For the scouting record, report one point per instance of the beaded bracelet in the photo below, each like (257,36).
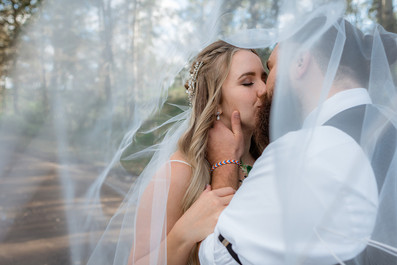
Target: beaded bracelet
(225,162)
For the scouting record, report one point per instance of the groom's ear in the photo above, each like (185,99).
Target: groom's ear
(301,64)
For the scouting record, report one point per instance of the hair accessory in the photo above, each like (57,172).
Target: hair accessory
(218,115)
(192,81)
(225,162)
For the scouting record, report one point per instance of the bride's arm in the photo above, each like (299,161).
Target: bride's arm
(183,230)
(196,223)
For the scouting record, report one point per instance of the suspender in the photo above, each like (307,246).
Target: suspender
(228,246)
(351,121)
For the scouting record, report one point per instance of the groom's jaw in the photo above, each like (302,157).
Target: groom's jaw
(261,132)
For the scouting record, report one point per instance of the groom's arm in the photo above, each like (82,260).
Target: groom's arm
(224,144)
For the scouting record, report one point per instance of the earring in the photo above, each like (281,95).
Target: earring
(218,116)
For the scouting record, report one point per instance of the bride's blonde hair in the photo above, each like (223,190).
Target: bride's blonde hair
(215,63)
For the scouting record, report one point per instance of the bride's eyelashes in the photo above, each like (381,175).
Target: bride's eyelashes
(248,84)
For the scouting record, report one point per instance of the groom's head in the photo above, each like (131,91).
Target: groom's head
(305,71)
(339,54)
(341,47)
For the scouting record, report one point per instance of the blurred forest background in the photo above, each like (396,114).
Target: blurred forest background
(78,77)
(16,15)
(74,52)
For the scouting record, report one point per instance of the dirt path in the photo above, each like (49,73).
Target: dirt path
(33,210)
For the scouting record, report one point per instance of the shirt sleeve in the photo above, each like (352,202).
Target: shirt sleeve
(206,253)
(311,202)
(212,252)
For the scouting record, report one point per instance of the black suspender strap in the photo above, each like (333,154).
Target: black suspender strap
(228,246)
(351,122)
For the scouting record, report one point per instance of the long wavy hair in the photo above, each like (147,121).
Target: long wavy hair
(216,61)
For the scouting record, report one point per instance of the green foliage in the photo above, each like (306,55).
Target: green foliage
(264,54)
(28,123)
(144,139)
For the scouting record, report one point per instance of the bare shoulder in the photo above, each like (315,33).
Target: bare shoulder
(180,178)
(180,168)
(179,158)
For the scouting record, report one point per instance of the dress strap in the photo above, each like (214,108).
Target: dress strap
(181,161)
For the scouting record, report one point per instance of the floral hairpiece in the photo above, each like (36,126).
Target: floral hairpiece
(192,81)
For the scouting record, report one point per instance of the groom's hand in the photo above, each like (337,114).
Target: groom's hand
(224,144)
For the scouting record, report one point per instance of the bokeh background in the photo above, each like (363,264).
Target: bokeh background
(79,78)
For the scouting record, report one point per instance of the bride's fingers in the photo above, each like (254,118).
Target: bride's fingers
(226,199)
(208,188)
(224,191)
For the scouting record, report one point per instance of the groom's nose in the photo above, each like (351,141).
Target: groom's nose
(261,90)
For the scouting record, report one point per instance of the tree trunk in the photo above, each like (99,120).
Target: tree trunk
(2,90)
(15,81)
(385,15)
(44,89)
(134,52)
(107,51)
(15,87)
(276,9)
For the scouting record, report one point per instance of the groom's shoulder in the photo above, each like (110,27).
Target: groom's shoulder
(312,141)
(309,136)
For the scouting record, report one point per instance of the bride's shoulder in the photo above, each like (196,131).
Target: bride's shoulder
(181,171)
(179,158)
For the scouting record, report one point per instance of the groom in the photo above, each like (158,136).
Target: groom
(321,227)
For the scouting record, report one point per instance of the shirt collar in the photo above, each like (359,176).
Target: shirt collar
(337,103)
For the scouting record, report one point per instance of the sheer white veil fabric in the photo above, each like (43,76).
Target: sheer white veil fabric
(353,92)
(91,77)
(105,74)
(84,138)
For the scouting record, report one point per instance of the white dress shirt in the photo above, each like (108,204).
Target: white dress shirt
(337,103)
(311,198)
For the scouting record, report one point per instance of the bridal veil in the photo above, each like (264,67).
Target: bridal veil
(90,143)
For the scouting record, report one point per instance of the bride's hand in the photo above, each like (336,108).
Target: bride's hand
(200,219)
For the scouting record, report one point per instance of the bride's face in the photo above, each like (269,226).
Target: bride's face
(242,89)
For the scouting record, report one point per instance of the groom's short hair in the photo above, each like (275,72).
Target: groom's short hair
(356,55)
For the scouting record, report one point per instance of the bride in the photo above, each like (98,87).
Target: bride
(223,79)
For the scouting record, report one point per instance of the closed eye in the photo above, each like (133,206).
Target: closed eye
(248,84)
